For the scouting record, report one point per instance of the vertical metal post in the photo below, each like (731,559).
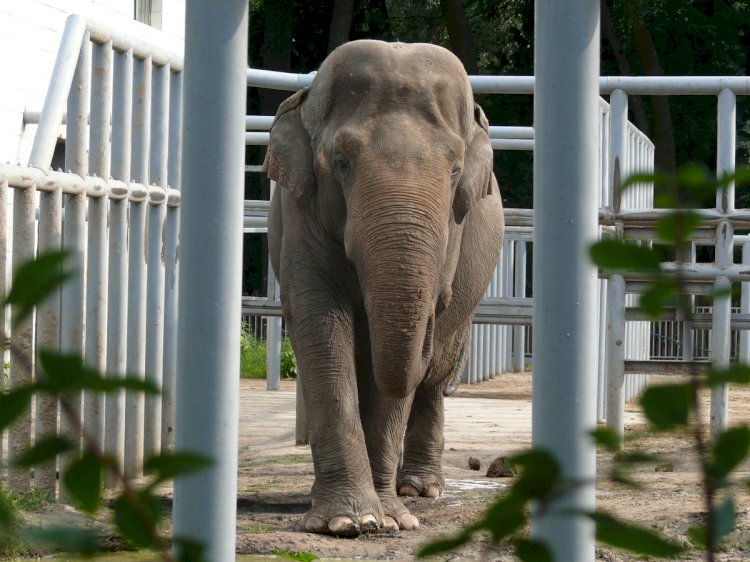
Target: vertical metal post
(175,130)
(156,256)
(273,336)
(519,291)
(96,271)
(57,93)
(507,364)
(74,227)
(744,352)
(169,378)
(615,354)
(136,354)
(117,306)
(3,278)
(566,107)
(22,335)
(722,312)
(210,271)
(48,329)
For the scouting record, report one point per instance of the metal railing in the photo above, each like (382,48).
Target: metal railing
(115,210)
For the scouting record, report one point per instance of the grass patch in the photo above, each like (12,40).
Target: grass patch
(258,528)
(12,520)
(253,357)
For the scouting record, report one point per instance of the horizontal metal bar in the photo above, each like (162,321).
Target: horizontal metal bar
(511,311)
(662,367)
(258,122)
(261,138)
(512,144)
(699,320)
(642,85)
(23,177)
(511,132)
(101,33)
(691,288)
(272,80)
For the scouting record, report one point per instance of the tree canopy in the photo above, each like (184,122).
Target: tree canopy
(496,37)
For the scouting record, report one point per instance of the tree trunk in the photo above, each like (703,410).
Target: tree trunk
(277,55)
(623,64)
(459,34)
(666,154)
(341,23)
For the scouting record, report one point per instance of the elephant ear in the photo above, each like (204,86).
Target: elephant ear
(477,177)
(289,156)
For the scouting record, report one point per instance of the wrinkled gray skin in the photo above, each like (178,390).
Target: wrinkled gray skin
(384,231)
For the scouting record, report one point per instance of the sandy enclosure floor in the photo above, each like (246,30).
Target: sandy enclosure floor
(483,421)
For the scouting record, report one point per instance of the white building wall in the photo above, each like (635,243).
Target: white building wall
(30,32)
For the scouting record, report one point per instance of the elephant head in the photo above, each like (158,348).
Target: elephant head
(387,153)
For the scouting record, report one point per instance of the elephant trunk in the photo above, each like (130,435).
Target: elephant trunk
(398,247)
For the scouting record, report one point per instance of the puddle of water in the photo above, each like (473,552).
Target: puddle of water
(468,485)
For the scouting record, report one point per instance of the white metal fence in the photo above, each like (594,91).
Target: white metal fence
(115,211)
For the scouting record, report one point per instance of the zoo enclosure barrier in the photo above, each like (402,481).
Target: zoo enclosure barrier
(115,211)
(717,230)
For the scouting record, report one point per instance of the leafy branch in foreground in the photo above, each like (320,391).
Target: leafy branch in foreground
(678,405)
(136,511)
(540,486)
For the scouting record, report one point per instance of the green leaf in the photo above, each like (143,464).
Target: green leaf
(505,516)
(83,481)
(678,226)
(618,255)
(442,545)
(167,466)
(300,556)
(738,373)
(635,179)
(69,373)
(697,535)
(607,438)
(724,518)
(137,521)
(729,450)
(532,551)
(667,407)
(633,538)
(540,474)
(188,550)
(13,404)
(47,448)
(68,539)
(61,372)
(659,295)
(7,513)
(34,281)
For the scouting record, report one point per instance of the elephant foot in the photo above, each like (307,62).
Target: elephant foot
(413,486)
(341,525)
(358,516)
(397,516)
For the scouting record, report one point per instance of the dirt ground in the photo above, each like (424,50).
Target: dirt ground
(483,421)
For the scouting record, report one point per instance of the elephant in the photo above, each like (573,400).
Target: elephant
(384,229)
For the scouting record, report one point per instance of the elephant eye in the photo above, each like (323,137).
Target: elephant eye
(455,171)
(340,164)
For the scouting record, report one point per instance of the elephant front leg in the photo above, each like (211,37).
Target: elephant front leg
(384,421)
(421,473)
(344,501)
